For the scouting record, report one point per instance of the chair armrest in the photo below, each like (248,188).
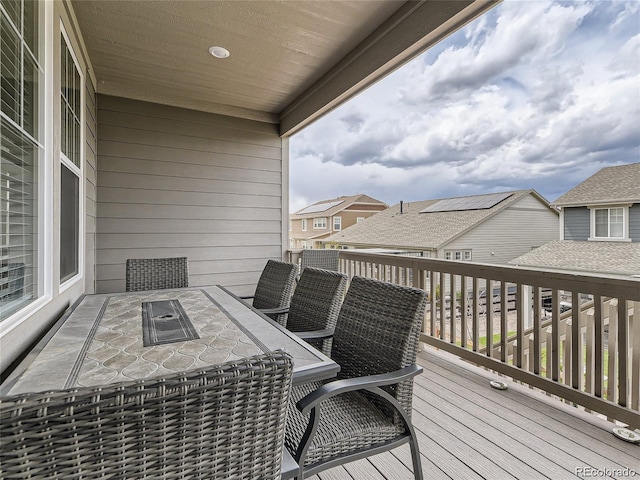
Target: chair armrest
(245,297)
(274,311)
(316,334)
(337,387)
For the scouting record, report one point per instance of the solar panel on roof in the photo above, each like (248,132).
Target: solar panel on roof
(474,202)
(320,207)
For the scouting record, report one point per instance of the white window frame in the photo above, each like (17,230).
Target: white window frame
(304,224)
(320,223)
(79,171)
(44,220)
(337,223)
(360,219)
(625,225)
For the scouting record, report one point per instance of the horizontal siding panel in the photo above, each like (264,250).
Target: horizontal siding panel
(128,225)
(176,240)
(199,268)
(577,223)
(132,165)
(142,211)
(156,111)
(111,148)
(194,254)
(189,129)
(161,139)
(239,283)
(166,183)
(171,197)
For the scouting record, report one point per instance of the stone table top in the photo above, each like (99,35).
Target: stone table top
(100,341)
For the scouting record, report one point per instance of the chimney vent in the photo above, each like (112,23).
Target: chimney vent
(401,206)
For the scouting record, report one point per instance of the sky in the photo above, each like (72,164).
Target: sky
(532,94)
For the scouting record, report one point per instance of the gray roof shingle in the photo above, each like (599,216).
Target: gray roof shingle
(412,229)
(604,257)
(609,185)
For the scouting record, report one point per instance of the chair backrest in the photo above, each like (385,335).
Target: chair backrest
(157,273)
(275,286)
(327,259)
(316,301)
(225,422)
(377,331)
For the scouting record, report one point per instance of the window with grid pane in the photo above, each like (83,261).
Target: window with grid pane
(20,152)
(609,222)
(71,168)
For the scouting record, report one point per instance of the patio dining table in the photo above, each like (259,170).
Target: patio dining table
(107,338)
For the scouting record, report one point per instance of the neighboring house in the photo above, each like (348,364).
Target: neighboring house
(309,226)
(599,226)
(492,228)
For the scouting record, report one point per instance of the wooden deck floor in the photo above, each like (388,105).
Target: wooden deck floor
(468,430)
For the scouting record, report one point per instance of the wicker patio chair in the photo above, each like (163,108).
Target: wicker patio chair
(157,273)
(327,259)
(315,306)
(274,288)
(367,410)
(225,422)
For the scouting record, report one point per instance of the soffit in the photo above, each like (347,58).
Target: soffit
(158,50)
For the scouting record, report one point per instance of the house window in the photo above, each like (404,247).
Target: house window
(21,140)
(337,223)
(320,223)
(359,219)
(609,222)
(458,255)
(304,224)
(71,164)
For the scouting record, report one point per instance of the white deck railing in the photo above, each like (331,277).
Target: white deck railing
(572,335)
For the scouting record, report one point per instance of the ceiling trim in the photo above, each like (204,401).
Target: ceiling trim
(414,28)
(177,100)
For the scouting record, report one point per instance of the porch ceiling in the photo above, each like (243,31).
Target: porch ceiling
(290,61)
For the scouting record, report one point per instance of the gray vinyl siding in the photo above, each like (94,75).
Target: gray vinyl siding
(576,223)
(634,222)
(90,184)
(177,182)
(512,232)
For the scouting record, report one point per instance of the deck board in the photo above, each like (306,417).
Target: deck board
(468,430)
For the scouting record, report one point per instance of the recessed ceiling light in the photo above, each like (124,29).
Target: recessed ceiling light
(219,52)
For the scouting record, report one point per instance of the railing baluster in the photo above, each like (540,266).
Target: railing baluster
(442,306)
(463,311)
(576,353)
(555,337)
(623,352)
(537,329)
(589,351)
(433,311)
(612,391)
(598,350)
(635,357)
(488,300)
(520,295)
(452,308)
(567,365)
(504,324)
(475,319)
